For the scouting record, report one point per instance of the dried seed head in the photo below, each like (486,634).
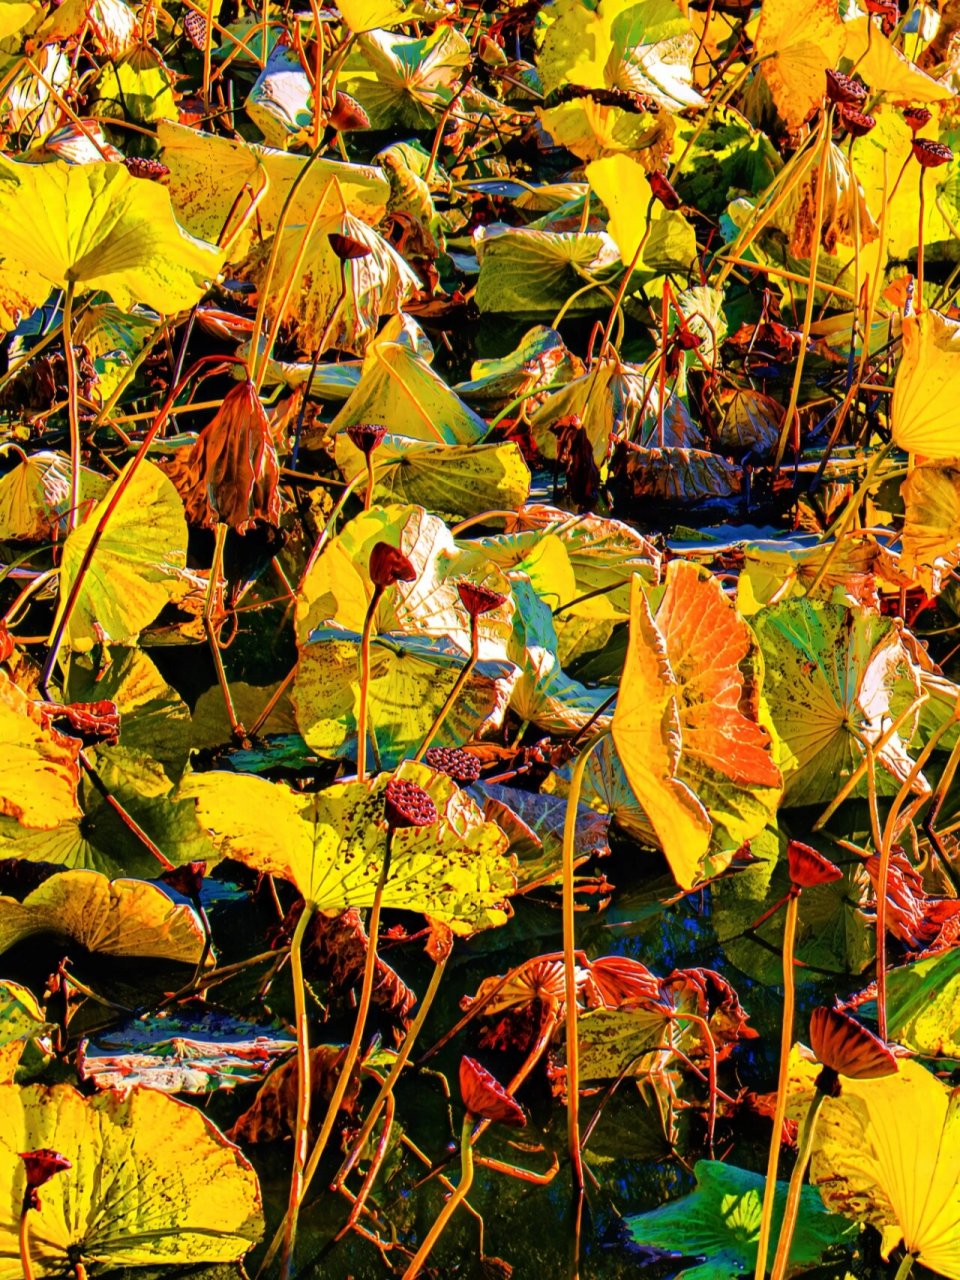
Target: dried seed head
(195,28)
(407,805)
(42,1164)
(478,600)
(663,190)
(347,113)
(856,123)
(931,154)
(187,879)
(389,565)
(347,248)
(808,868)
(483,1095)
(845,90)
(462,766)
(846,1048)
(916,117)
(366,436)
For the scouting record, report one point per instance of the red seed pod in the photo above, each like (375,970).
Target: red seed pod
(366,436)
(141,167)
(41,1165)
(478,600)
(809,868)
(845,90)
(846,1047)
(916,117)
(389,565)
(931,154)
(195,28)
(484,1096)
(407,805)
(462,766)
(187,879)
(663,190)
(856,123)
(346,248)
(347,114)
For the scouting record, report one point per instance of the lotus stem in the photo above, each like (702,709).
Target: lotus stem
(918,305)
(570,961)
(704,1026)
(287,1231)
(365,683)
(301,1133)
(792,1207)
(905,1267)
(368,496)
(211,630)
(462,677)
(73,408)
(448,1210)
(25,1261)
(403,1056)
(780,1109)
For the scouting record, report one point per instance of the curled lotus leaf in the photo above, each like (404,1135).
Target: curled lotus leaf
(108,917)
(35,496)
(39,784)
(931,524)
(835,678)
(845,220)
(405,81)
(672,476)
(887,1152)
(924,389)
(152,1182)
(331,845)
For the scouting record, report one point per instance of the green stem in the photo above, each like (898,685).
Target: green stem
(301,1133)
(570,960)
(780,1110)
(462,678)
(905,1267)
(287,1230)
(792,1207)
(448,1210)
(368,496)
(73,409)
(365,684)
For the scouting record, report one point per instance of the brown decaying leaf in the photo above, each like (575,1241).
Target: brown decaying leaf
(273,1113)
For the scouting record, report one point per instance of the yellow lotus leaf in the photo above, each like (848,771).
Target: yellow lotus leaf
(592,129)
(885,69)
(370,15)
(113,24)
(622,185)
(208,175)
(35,496)
(887,1152)
(846,221)
(646,730)
(139,85)
(21,1020)
(108,917)
(15,15)
(931,524)
(923,410)
(798,47)
(331,844)
(133,571)
(327,303)
(152,1182)
(38,785)
(94,226)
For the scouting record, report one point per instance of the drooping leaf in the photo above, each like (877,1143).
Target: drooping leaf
(97,227)
(931,524)
(38,785)
(139,84)
(923,1004)
(279,102)
(131,575)
(331,845)
(720,1221)
(885,68)
(835,677)
(921,411)
(151,1182)
(622,185)
(887,1152)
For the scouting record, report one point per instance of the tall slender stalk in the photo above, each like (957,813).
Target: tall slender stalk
(463,675)
(792,1207)
(301,1131)
(73,408)
(448,1210)
(365,682)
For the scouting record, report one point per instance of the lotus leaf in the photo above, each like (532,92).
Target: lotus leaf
(924,389)
(140,84)
(887,1152)
(524,271)
(331,845)
(279,102)
(720,1221)
(797,54)
(41,774)
(97,227)
(35,496)
(131,575)
(404,81)
(923,1004)
(152,1182)
(931,525)
(834,679)
(622,185)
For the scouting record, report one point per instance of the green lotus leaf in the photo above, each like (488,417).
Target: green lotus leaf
(540,359)
(731,157)
(404,81)
(835,678)
(327,303)
(534,822)
(923,1005)
(720,1221)
(35,496)
(208,175)
(399,389)
(38,786)
(410,678)
(152,1182)
(139,84)
(338,589)
(21,1021)
(525,272)
(132,574)
(330,845)
(454,481)
(96,227)
(107,917)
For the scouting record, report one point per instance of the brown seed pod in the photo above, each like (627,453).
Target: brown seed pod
(808,868)
(483,1095)
(366,436)
(389,565)
(478,600)
(847,1048)
(844,90)
(407,805)
(462,766)
(931,154)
